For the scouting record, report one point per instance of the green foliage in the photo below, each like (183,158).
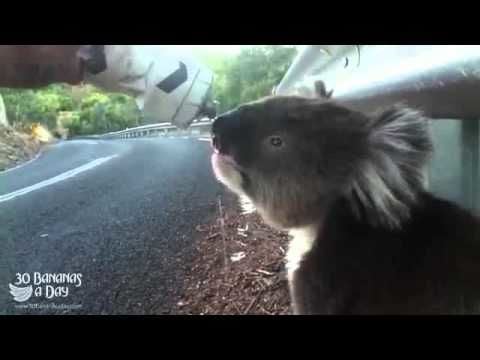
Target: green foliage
(249,75)
(89,110)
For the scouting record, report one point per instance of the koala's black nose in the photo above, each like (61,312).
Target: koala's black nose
(216,135)
(223,121)
(221,130)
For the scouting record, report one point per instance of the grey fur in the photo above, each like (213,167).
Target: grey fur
(401,249)
(388,180)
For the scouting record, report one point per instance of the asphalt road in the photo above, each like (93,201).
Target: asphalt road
(121,213)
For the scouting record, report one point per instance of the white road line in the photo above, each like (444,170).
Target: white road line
(85,142)
(58,178)
(76,142)
(205,139)
(60,143)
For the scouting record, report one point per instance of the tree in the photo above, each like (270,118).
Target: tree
(251,74)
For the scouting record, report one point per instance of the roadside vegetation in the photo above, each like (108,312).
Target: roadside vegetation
(68,111)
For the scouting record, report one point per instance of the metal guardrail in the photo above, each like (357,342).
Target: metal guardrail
(160,129)
(441,80)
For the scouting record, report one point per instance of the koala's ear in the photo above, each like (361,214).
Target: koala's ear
(321,90)
(403,135)
(389,180)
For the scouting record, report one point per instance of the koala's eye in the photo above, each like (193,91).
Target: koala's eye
(276,141)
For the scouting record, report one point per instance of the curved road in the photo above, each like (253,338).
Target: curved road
(122,213)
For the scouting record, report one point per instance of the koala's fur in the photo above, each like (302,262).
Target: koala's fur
(367,237)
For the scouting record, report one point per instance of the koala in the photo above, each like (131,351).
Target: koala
(366,235)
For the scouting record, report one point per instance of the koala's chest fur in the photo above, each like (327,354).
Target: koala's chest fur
(347,268)
(320,286)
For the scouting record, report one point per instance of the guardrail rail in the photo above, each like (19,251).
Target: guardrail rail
(200,128)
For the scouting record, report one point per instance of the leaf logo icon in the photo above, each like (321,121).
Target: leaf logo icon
(21,294)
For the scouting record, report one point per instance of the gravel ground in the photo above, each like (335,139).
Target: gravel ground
(239,267)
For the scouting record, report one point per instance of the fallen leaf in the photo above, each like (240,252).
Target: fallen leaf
(237,256)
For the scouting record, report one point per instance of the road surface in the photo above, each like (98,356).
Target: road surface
(116,217)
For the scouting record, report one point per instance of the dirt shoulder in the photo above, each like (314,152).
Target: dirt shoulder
(239,267)
(16,147)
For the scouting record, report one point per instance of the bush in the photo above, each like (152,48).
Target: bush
(92,111)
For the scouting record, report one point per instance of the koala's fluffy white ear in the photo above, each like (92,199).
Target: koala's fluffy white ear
(403,135)
(388,182)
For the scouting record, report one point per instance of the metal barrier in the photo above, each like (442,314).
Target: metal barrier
(160,129)
(441,80)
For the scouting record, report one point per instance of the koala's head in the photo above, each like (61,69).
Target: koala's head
(294,156)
